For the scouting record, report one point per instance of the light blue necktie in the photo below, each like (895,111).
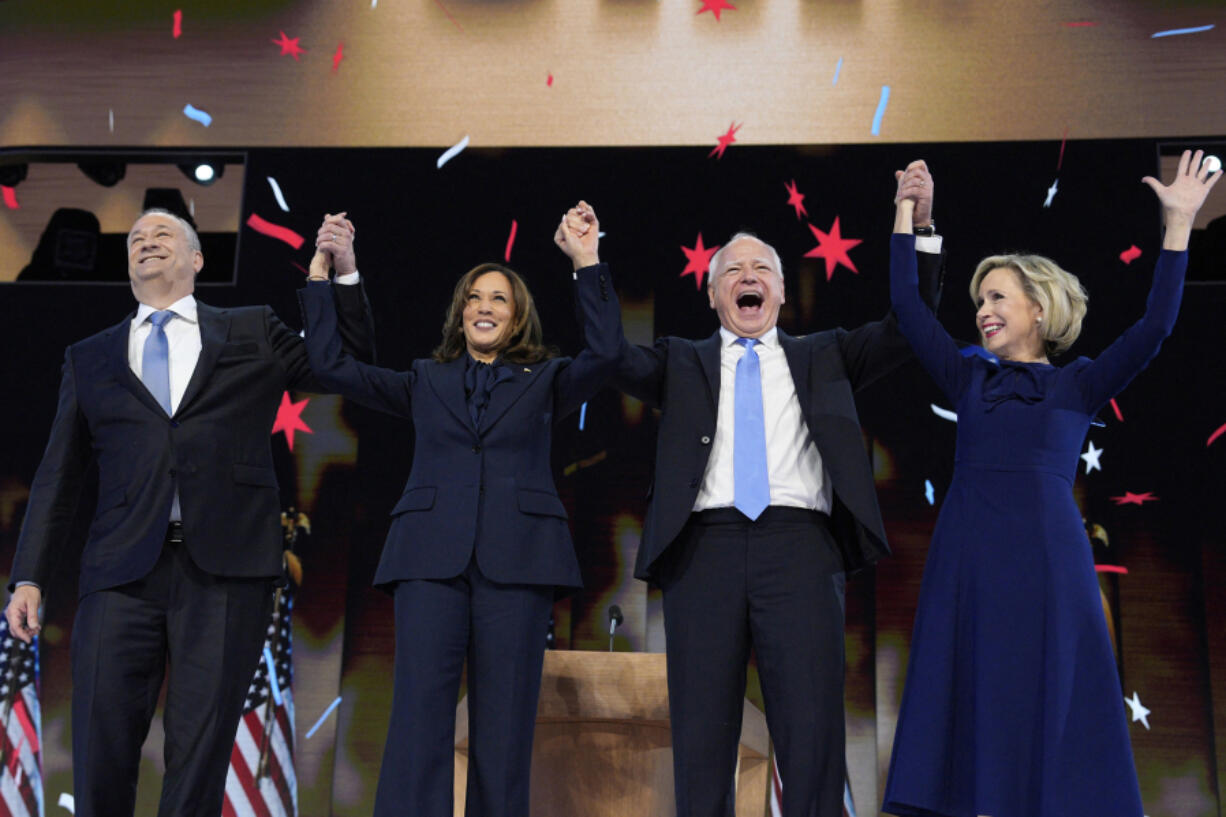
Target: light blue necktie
(155,365)
(751,482)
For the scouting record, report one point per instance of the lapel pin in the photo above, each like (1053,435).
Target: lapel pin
(527,370)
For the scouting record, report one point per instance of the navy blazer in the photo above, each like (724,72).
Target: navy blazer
(215,449)
(488,488)
(682,378)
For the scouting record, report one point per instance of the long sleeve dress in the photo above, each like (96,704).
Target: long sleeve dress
(1012,705)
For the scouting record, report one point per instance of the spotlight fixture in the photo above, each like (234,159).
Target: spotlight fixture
(107,173)
(12,175)
(203,173)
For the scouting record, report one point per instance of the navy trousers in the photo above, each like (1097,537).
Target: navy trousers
(500,629)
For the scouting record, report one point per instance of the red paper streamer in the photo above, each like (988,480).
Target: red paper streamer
(1063,141)
(275,231)
(1119,415)
(439,3)
(1123,571)
(1080,24)
(511,240)
(10,198)
(1215,435)
(338,56)
(1131,254)
(549,80)
(178,27)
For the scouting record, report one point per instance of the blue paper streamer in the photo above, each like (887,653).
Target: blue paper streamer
(272,676)
(885,99)
(324,717)
(192,112)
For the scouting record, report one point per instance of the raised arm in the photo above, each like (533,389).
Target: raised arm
(875,349)
(328,349)
(1133,350)
(936,350)
(596,307)
(355,323)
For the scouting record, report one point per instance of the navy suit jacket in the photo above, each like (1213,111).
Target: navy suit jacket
(682,378)
(487,488)
(215,449)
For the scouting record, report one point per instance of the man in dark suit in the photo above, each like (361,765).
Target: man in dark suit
(763,498)
(175,405)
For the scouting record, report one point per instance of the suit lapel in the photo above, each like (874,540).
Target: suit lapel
(117,352)
(709,356)
(447,380)
(214,328)
(506,393)
(797,354)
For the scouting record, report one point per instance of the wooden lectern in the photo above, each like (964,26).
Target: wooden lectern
(603,747)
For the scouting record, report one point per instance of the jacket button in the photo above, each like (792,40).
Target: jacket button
(705,440)
(694,483)
(174,423)
(477,448)
(171,472)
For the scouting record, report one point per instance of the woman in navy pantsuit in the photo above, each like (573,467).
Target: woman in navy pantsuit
(479,541)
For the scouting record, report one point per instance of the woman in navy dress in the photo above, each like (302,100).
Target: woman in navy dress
(479,542)
(1012,705)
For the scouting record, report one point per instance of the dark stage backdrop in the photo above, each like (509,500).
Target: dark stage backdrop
(419,227)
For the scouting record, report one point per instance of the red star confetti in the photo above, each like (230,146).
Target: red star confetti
(1131,254)
(289,46)
(1129,498)
(833,247)
(698,261)
(796,199)
(274,231)
(510,241)
(10,197)
(289,419)
(724,141)
(715,7)
(338,56)
(1215,435)
(177,29)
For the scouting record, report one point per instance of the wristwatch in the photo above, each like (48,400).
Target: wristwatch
(930,230)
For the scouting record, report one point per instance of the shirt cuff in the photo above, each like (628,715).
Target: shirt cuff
(351,278)
(927,243)
(31,584)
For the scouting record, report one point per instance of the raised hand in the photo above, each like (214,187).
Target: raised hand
(1182,198)
(915,184)
(578,235)
(334,242)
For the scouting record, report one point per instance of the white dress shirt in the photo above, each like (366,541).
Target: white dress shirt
(183,340)
(797,477)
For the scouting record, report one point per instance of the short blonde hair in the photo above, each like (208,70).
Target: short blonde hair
(1057,291)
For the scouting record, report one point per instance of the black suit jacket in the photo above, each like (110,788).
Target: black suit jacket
(682,378)
(488,487)
(215,449)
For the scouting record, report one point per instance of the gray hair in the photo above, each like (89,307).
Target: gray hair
(718,259)
(193,240)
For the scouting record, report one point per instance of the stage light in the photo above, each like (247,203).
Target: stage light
(203,173)
(104,172)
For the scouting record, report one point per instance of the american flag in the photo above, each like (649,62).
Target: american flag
(849,807)
(261,781)
(21,760)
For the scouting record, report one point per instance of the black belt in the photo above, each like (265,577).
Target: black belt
(174,533)
(773,513)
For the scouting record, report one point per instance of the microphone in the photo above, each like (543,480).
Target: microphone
(615,618)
